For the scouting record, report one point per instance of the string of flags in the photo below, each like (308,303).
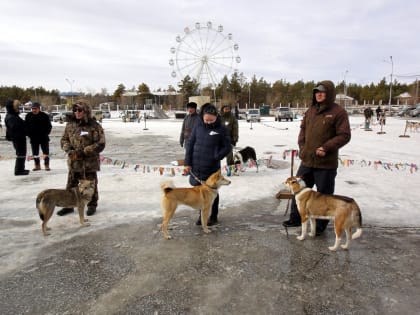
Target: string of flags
(229,170)
(389,166)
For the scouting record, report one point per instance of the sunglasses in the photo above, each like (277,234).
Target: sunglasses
(79,110)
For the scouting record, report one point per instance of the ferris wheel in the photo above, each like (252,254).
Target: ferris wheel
(205,54)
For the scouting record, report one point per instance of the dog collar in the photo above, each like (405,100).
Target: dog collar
(201,181)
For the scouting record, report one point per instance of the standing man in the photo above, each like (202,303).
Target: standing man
(325,128)
(208,145)
(39,127)
(16,132)
(83,140)
(190,120)
(231,124)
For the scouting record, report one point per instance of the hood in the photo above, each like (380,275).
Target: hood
(9,107)
(86,108)
(329,85)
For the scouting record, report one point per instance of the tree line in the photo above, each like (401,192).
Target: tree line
(236,90)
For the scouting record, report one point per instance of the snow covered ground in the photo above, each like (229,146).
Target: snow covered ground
(387,192)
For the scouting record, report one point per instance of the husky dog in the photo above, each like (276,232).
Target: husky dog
(197,197)
(78,197)
(245,155)
(315,205)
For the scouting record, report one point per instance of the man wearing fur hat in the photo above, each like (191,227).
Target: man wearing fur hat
(190,120)
(39,127)
(231,124)
(83,140)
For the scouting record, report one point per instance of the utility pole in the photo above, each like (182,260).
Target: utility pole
(390,85)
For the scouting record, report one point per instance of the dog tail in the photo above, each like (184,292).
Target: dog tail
(167,186)
(357,216)
(37,203)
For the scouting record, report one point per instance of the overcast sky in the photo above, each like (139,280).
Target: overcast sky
(100,44)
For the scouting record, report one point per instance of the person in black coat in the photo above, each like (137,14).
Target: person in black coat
(38,125)
(16,132)
(208,145)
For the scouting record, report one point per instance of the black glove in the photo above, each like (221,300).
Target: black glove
(182,145)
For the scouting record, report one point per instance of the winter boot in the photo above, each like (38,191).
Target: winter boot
(47,167)
(90,211)
(36,168)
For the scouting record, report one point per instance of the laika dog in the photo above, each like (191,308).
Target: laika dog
(78,197)
(315,205)
(245,155)
(197,197)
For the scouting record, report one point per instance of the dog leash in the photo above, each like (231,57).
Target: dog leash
(200,181)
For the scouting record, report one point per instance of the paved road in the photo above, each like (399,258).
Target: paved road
(246,266)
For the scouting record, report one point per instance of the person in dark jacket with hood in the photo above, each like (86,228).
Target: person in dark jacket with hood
(325,128)
(39,127)
(208,145)
(231,124)
(190,120)
(16,132)
(83,140)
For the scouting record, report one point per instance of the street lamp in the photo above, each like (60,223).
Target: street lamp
(345,86)
(390,85)
(71,89)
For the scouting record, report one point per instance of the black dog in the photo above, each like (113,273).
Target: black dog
(245,155)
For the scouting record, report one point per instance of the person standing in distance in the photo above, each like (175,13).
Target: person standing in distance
(231,124)
(39,127)
(208,145)
(83,140)
(190,120)
(325,128)
(16,132)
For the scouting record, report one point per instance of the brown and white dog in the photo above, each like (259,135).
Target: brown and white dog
(197,197)
(315,205)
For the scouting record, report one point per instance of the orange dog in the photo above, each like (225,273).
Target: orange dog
(315,205)
(198,197)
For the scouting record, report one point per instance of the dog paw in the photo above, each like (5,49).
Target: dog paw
(207,231)
(85,224)
(86,220)
(300,238)
(168,237)
(345,247)
(312,234)
(332,248)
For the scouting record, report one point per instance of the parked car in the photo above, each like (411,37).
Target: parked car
(98,115)
(106,114)
(405,111)
(52,114)
(415,112)
(62,117)
(283,113)
(254,115)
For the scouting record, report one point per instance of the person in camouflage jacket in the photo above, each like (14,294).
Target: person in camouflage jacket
(231,124)
(83,140)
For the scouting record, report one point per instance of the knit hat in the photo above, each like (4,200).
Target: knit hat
(35,104)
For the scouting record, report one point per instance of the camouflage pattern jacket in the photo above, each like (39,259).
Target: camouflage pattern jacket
(86,138)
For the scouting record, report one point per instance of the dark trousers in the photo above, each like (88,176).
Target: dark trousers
(73,181)
(324,180)
(20,148)
(45,147)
